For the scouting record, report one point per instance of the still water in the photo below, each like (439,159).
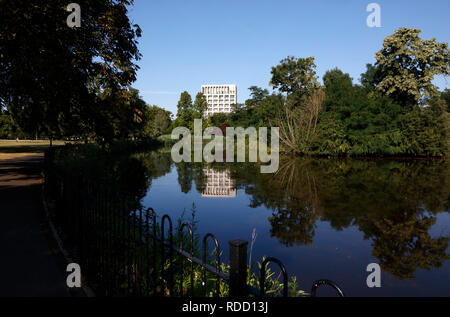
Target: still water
(324,219)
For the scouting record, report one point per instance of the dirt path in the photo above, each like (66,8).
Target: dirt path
(30,264)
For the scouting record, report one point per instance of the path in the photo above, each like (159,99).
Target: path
(30,264)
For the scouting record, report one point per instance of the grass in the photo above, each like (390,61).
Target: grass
(11,149)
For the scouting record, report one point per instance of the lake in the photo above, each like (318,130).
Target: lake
(323,218)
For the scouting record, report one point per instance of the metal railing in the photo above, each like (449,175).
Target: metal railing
(125,252)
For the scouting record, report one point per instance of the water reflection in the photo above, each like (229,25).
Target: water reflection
(218,184)
(394,203)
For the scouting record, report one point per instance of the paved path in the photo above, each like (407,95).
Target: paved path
(30,264)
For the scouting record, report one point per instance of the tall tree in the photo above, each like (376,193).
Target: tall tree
(446,96)
(371,78)
(297,78)
(408,65)
(257,95)
(157,121)
(52,73)
(184,110)
(8,128)
(200,106)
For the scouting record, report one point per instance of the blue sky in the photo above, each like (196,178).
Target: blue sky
(187,43)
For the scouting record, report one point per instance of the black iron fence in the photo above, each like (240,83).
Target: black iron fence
(124,251)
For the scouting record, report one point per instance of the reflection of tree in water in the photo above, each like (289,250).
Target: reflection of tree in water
(405,246)
(157,163)
(189,173)
(133,174)
(394,203)
(293,221)
(131,179)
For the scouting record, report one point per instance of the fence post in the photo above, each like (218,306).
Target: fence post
(238,268)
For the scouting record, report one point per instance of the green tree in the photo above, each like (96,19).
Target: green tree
(185,113)
(200,106)
(408,64)
(118,115)
(371,78)
(8,128)
(338,90)
(426,129)
(219,118)
(268,109)
(257,95)
(51,74)
(296,77)
(358,120)
(446,96)
(157,121)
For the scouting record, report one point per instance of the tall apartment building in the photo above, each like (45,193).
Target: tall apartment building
(220,98)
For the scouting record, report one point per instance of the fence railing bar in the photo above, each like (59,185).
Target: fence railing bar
(163,252)
(140,261)
(217,251)
(262,277)
(191,256)
(326,282)
(147,252)
(155,282)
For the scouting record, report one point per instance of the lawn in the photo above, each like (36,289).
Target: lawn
(10,149)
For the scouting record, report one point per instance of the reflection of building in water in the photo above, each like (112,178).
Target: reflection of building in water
(218,184)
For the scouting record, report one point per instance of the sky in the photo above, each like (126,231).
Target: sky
(189,43)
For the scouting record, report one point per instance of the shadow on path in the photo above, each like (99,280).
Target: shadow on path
(31,264)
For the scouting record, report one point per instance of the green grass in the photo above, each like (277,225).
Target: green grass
(10,149)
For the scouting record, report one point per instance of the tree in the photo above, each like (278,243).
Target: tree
(298,126)
(296,77)
(338,89)
(118,115)
(358,120)
(446,96)
(8,128)
(268,109)
(426,129)
(200,106)
(337,79)
(184,110)
(219,118)
(187,111)
(371,78)
(257,95)
(408,64)
(157,121)
(51,75)
(162,122)
(261,108)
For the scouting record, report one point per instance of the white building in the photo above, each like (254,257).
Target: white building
(220,98)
